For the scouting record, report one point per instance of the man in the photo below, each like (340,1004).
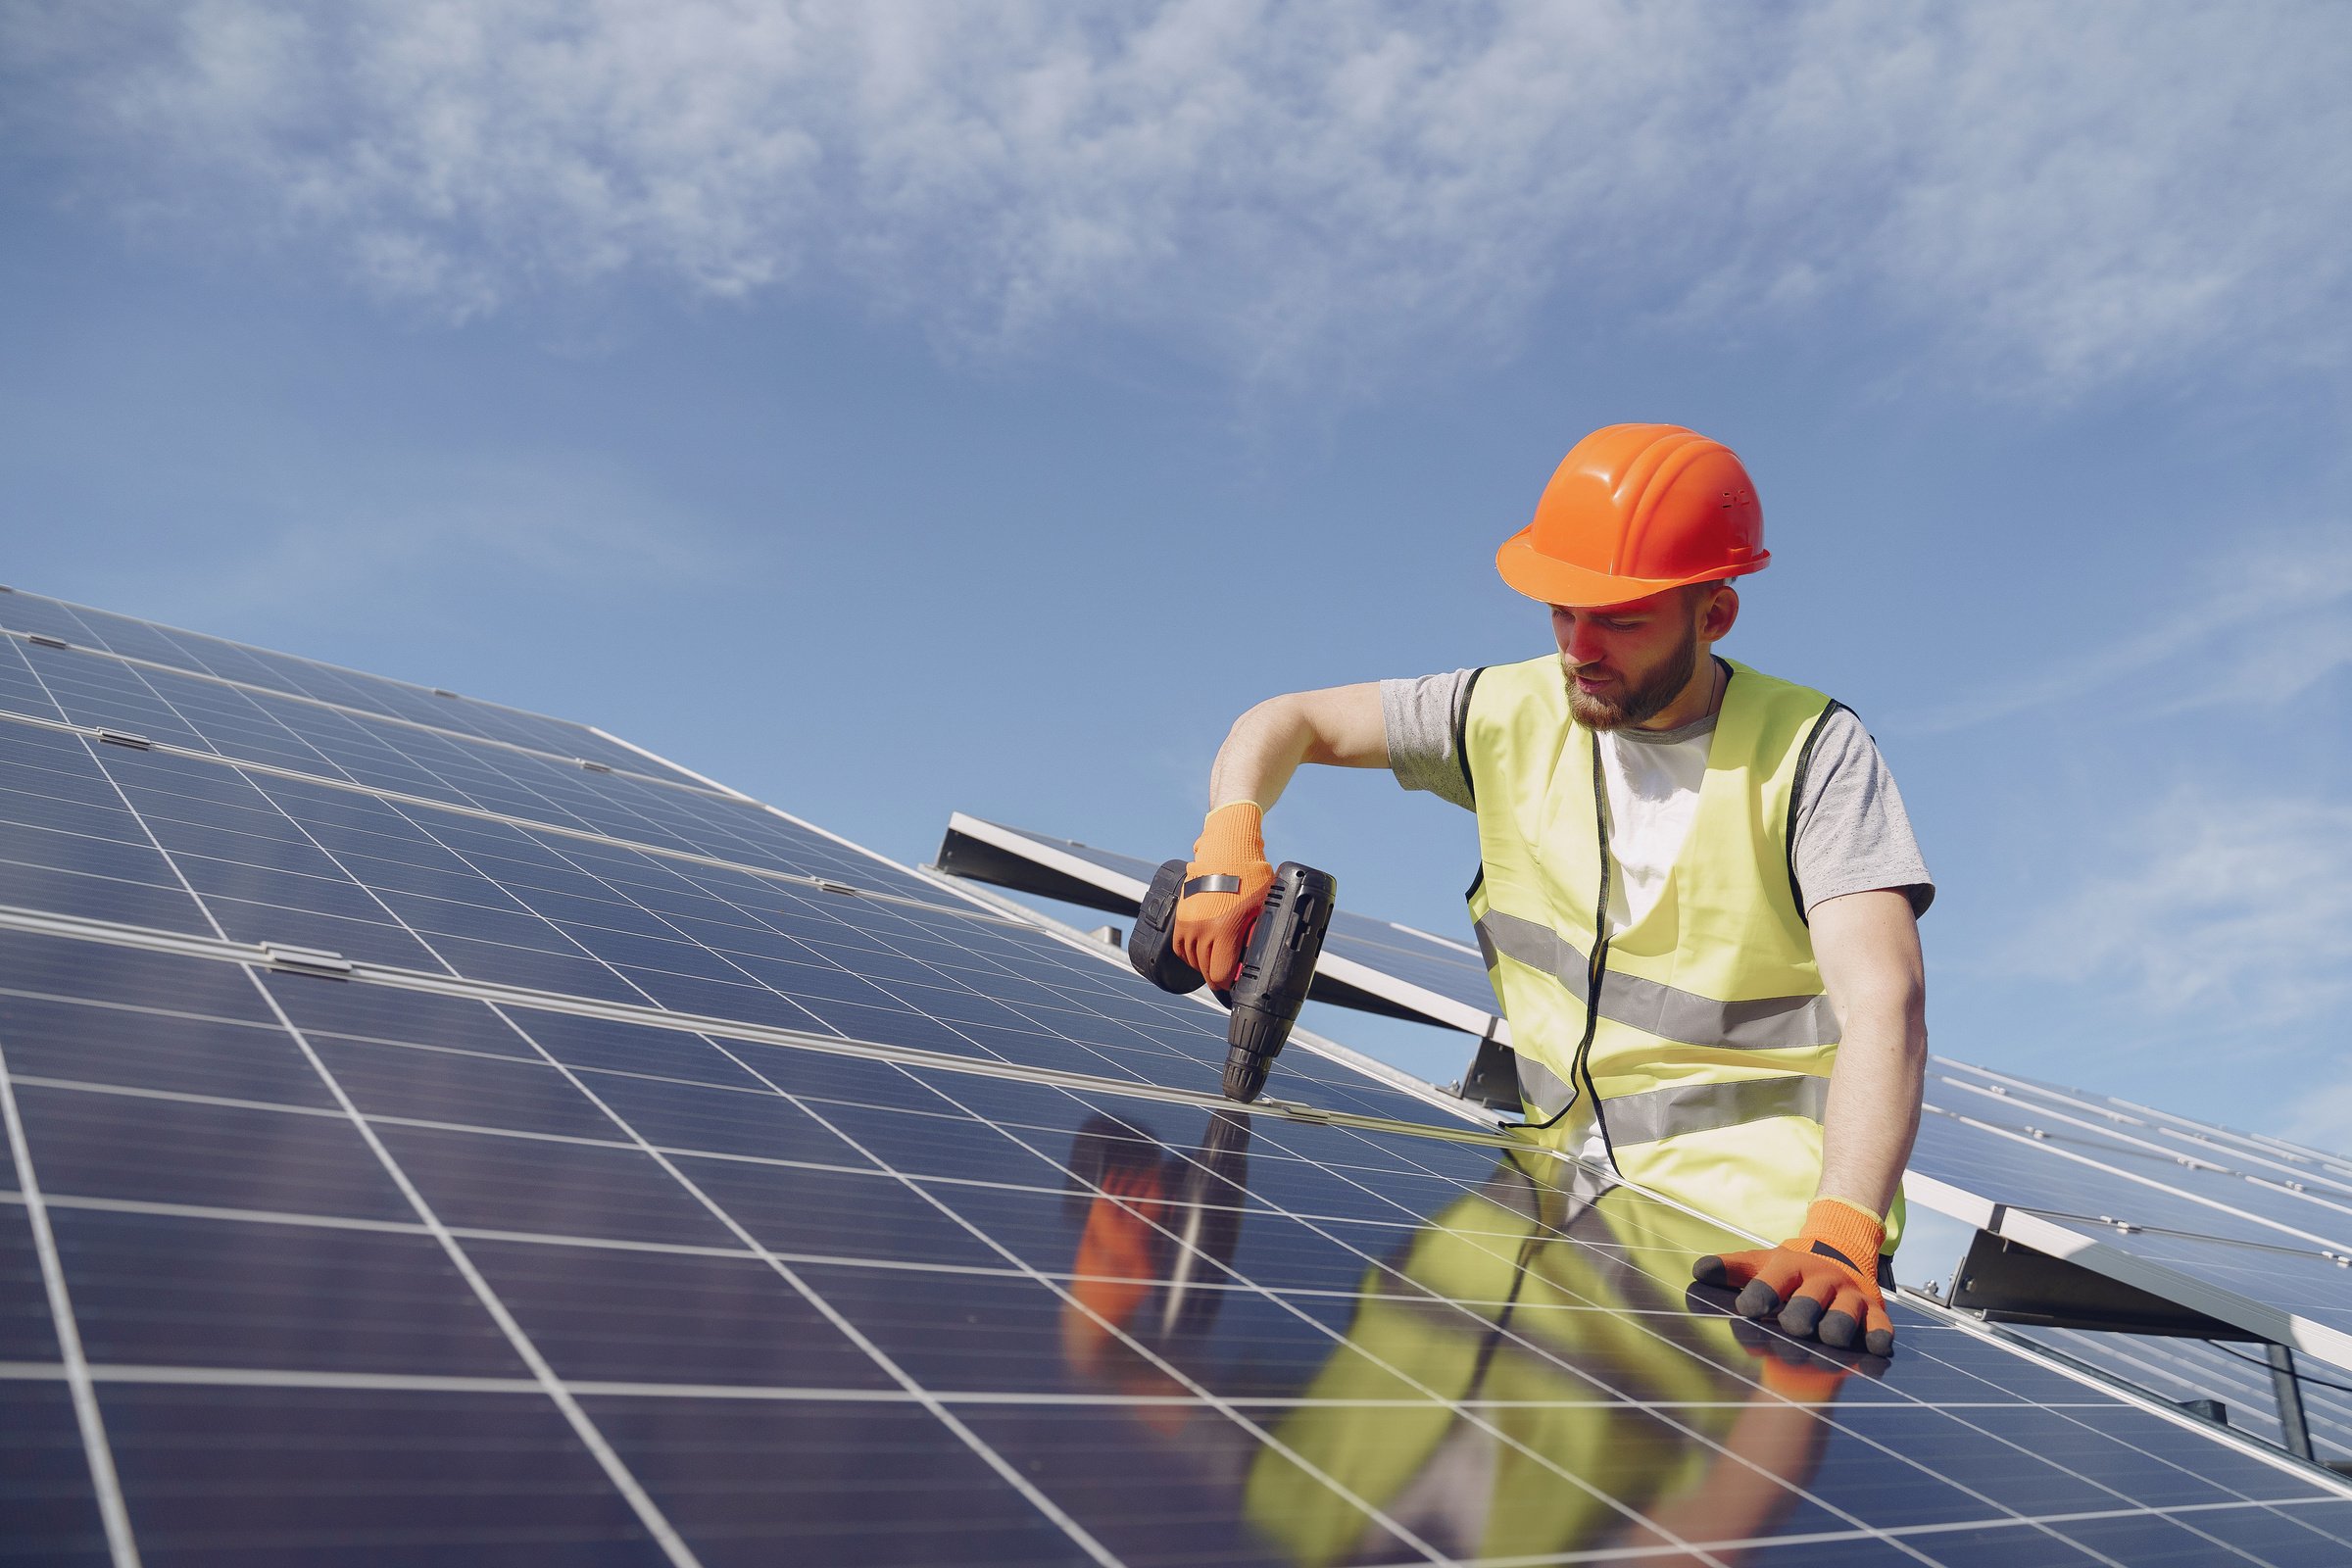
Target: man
(1697,893)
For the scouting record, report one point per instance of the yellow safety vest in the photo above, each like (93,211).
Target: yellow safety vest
(1706,1059)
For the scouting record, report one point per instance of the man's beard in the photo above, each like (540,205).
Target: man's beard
(1642,702)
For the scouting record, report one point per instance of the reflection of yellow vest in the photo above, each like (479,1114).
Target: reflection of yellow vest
(1708,1059)
(1552,1338)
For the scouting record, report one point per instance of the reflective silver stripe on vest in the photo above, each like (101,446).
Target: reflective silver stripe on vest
(1542,1088)
(1771,1023)
(1657,1114)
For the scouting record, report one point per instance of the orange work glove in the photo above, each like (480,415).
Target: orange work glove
(1824,1281)
(1224,889)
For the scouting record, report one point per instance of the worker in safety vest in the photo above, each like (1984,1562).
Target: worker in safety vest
(1698,892)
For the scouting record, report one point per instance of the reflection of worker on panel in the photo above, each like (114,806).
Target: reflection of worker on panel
(1698,890)
(1154,1227)
(1570,1304)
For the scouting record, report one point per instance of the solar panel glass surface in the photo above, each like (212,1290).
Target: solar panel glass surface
(481,1256)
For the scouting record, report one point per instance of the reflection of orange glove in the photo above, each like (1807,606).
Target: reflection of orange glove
(1224,889)
(1823,1280)
(1798,1373)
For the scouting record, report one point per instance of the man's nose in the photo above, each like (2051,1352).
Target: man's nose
(1579,641)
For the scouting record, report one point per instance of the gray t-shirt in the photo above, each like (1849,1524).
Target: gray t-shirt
(1853,834)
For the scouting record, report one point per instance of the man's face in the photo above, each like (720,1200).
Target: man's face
(1622,664)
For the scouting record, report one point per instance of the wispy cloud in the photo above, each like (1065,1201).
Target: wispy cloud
(2259,627)
(2058,197)
(366,530)
(2211,903)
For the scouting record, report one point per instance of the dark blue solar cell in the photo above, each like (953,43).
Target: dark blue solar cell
(824,1075)
(26,1331)
(90,1144)
(810,1212)
(59,966)
(141,1050)
(1012,1333)
(532,1186)
(330,1006)
(161,904)
(761,1124)
(276,1476)
(599,1314)
(48,1510)
(424,1084)
(168,1291)
(604,1045)
(862,1484)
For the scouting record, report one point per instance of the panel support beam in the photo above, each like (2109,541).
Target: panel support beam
(2007,1282)
(2289,1389)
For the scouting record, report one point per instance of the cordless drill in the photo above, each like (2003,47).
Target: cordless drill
(1277,963)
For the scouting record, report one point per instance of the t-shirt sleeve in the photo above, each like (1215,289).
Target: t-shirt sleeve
(1853,834)
(1423,717)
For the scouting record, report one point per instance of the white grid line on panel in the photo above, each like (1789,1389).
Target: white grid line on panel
(594,1388)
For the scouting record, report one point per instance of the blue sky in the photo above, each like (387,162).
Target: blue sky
(891,410)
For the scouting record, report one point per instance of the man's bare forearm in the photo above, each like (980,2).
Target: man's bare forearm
(1868,946)
(1340,726)
(1874,1109)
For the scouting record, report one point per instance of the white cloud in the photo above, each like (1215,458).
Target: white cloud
(2212,904)
(2258,627)
(2057,196)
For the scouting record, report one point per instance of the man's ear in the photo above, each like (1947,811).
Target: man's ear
(1722,612)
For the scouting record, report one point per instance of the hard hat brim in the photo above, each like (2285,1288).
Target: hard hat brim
(1553,581)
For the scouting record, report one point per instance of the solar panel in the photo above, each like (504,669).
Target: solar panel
(2253,1232)
(391,1182)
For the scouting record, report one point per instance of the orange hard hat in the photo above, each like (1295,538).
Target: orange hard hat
(1635,509)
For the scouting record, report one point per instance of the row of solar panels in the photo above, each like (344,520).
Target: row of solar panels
(423,1145)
